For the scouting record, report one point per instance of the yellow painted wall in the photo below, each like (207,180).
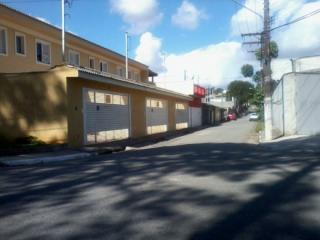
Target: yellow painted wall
(34,104)
(49,105)
(34,29)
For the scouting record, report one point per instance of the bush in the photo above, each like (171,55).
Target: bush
(28,140)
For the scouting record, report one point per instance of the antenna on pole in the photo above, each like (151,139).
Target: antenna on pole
(127,73)
(63,32)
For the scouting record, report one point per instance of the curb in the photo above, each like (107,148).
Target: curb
(41,160)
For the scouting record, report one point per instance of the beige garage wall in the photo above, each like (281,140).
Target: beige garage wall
(138,107)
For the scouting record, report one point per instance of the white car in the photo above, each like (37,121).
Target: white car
(253,117)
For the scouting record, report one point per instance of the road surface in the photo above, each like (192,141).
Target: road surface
(210,184)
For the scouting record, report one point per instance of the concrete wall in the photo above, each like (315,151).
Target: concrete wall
(277,109)
(307,63)
(33,29)
(34,104)
(289,90)
(296,107)
(307,103)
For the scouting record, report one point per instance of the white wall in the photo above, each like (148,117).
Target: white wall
(307,103)
(289,91)
(300,107)
(307,63)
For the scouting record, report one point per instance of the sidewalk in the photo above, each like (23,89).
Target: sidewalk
(311,143)
(40,158)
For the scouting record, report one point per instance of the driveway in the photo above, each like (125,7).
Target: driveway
(210,184)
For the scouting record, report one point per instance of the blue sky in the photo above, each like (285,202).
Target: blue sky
(95,20)
(201,37)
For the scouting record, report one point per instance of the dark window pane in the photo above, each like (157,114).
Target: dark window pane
(39,52)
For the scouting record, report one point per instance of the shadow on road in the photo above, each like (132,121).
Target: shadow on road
(196,191)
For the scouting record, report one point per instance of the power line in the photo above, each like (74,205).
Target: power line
(249,9)
(297,19)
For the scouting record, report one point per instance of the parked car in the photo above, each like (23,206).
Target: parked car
(231,116)
(253,117)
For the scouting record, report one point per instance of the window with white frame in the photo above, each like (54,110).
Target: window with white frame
(20,44)
(121,71)
(103,66)
(43,52)
(74,58)
(129,75)
(3,41)
(91,62)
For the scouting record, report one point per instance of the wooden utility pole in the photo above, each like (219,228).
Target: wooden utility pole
(264,44)
(267,72)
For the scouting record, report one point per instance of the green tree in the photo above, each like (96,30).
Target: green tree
(257,77)
(257,99)
(274,51)
(247,70)
(242,91)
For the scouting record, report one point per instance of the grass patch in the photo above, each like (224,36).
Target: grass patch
(259,126)
(28,141)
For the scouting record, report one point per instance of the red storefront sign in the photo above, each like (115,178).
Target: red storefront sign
(199,91)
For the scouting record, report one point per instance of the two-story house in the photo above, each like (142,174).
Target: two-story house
(85,99)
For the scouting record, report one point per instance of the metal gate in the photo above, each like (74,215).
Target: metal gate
(106,116)
(156,115)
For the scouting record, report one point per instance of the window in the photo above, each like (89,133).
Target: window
(136,76)
(109,98)
(180,106)
(154,103)
(103,66)
(121,72)
(129,75)
(20,44)
(91,62)
(74,58)
(3,41)
(43,52)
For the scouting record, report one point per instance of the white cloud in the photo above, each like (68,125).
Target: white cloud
(215,64)
(149,52)
(301,38)
(187,16)
(297,40)
(139,15)
(219,64)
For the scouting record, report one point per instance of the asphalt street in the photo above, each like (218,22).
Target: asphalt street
(211,184)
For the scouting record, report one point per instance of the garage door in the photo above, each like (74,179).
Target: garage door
(182,115)
(106,116)
(157,115)
(195,117)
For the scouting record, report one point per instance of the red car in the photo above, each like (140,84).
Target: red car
(232,116)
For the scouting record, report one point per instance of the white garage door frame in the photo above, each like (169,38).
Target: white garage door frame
(84,110)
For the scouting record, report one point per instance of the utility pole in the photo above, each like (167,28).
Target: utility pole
(127,73)
(63,32)
(264,44)
(267,73)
